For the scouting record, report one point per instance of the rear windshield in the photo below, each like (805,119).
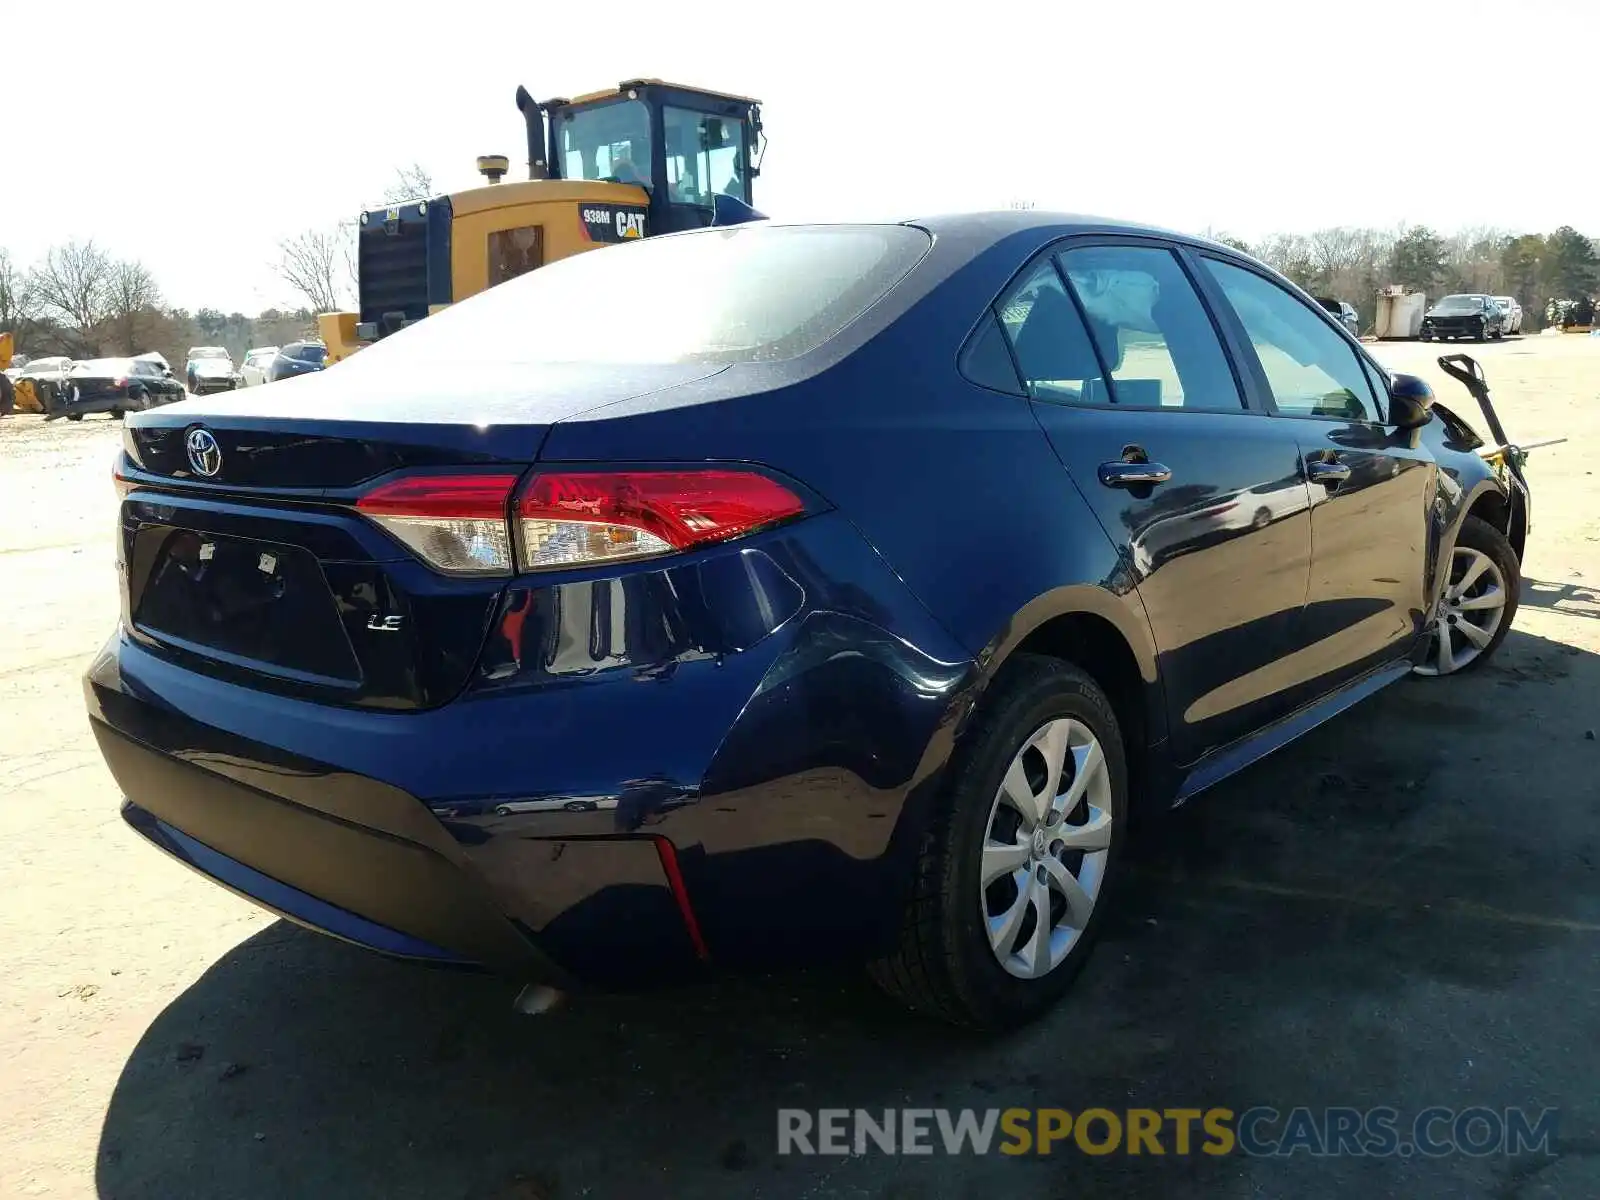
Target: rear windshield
(310,354)
(749,293)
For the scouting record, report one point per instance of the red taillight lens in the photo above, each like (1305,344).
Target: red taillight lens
(571,519)
(455,523)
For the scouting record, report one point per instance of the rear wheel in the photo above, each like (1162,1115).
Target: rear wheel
(1479,602)
(74,416)
(1010,886)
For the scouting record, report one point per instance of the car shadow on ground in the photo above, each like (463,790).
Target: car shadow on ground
(1347,923)
(1574,600)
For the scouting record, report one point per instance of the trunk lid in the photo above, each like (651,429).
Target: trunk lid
(245,557)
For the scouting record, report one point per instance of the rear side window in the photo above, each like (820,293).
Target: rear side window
(1152,331)
(745,293)
(1047,336)
(986,360)
(1311,369)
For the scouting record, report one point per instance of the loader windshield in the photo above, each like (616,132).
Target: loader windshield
(608,142)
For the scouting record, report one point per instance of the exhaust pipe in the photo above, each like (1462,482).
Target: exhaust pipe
(533,117)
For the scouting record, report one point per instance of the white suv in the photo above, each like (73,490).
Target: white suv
(1513,312)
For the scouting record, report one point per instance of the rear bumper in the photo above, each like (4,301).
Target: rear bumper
(367,880)
(640,780)
(97,404)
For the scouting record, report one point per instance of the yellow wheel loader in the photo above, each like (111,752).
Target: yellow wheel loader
(642,158)
(8,393)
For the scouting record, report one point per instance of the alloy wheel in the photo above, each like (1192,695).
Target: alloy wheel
(1045,848)
(1470,612)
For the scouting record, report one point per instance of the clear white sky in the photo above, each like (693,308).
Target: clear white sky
(194,136)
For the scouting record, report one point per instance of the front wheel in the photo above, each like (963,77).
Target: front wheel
(1012,879)
(74,416)
(1479,601)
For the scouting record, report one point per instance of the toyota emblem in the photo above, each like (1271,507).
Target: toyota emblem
(205,456)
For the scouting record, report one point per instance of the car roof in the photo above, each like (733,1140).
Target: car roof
(1004,222)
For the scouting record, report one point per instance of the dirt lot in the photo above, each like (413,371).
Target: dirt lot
(1402,909)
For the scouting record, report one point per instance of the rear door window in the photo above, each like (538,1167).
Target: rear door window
(1153,334)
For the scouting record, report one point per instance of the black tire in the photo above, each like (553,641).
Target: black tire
(944,966)
(1479,535)
(1262,519)
(74,416)
(8,395)
(116,414)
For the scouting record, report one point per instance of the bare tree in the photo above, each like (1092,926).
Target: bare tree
(1290,254)
(74,284)
(1335,250)
(410,183)
(19,305)
(1473,260)
(131,294)
(310,264)
(350,251)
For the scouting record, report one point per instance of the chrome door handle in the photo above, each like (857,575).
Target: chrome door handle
(1321,470)
(1132,474)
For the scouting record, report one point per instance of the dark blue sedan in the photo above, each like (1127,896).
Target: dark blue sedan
(778,593)
(297,358)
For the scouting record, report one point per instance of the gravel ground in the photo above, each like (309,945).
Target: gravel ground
(1403,909)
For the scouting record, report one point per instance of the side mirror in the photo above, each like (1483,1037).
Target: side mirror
(1410,402)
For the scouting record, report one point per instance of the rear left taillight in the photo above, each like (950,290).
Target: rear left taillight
(468,524)
(567,519)
(455,523)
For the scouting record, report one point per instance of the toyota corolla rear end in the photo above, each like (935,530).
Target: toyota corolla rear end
(411,668)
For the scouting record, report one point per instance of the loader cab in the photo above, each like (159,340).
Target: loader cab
(684,146)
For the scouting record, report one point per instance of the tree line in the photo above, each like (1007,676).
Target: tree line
(82,302)
(1554,276)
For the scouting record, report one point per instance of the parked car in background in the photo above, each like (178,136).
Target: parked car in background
(116,386)
(210,369)
(1467,315)
(1343,312)
(297,358)
(42,379)
(807,624)
(1513,311)
(18,362)
(253,370)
